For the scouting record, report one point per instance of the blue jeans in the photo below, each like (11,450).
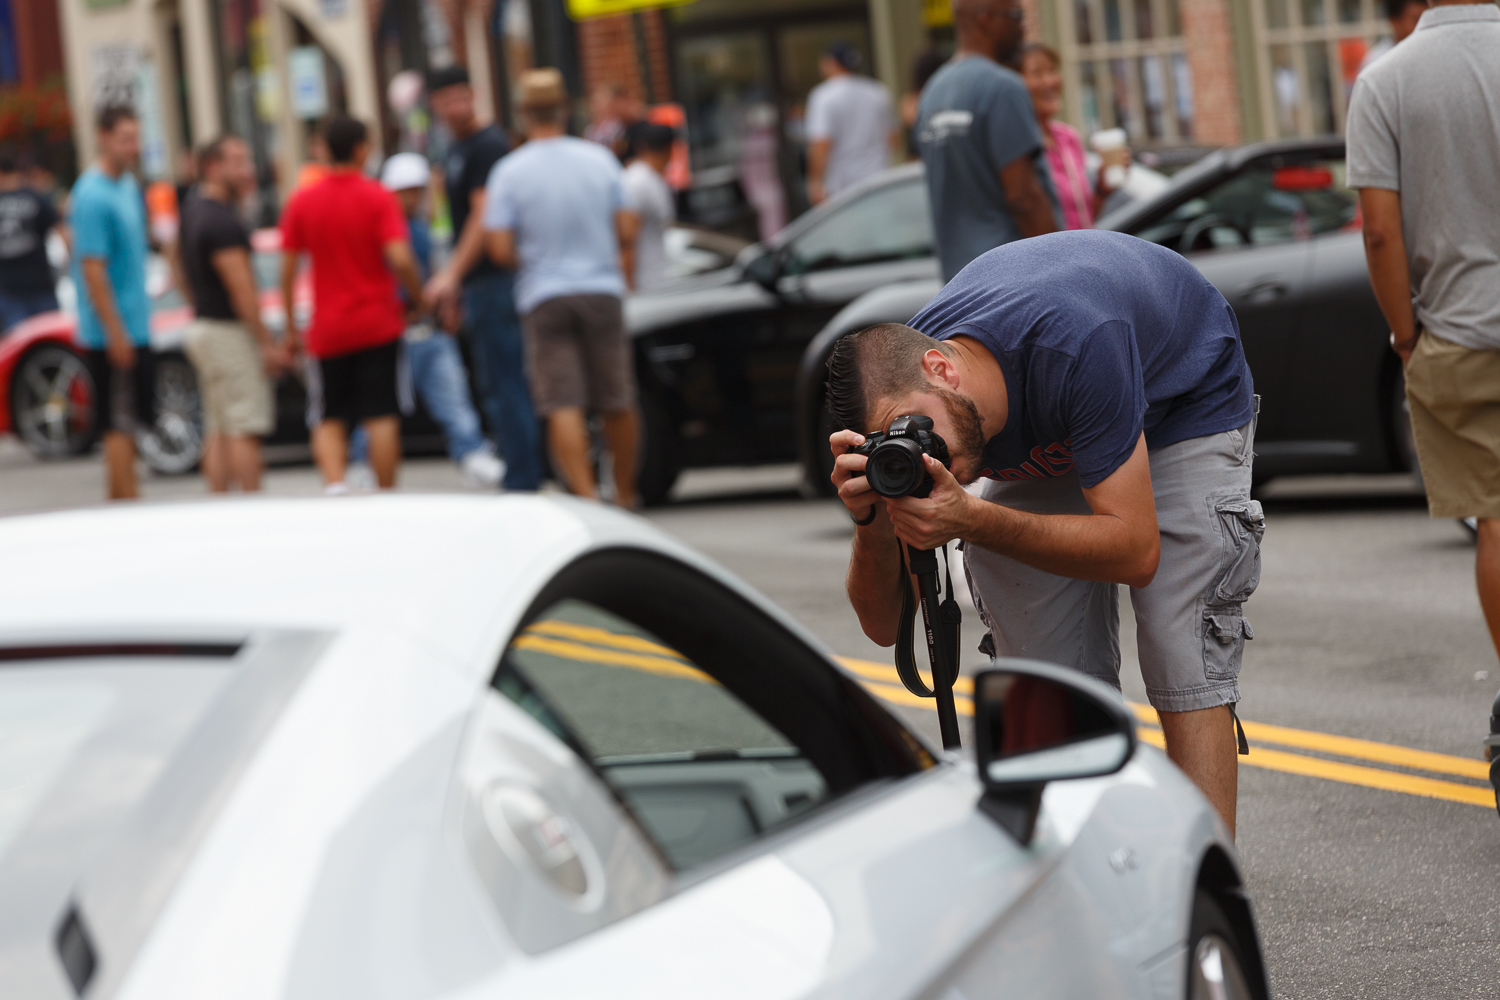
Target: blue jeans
(16,306)
(499,360)
(438,376)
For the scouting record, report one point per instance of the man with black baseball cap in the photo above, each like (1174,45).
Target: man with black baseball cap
(471,280)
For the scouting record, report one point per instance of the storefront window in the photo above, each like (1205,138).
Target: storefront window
(1310,53)
(250,92)
(1127,68)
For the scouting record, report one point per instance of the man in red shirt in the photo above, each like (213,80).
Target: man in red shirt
(356,234)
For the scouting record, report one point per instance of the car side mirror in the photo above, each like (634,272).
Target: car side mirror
(765,270)
(1035,723)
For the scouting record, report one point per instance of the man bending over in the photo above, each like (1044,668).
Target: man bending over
(1096,382)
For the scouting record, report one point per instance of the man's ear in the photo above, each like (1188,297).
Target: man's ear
(940,367)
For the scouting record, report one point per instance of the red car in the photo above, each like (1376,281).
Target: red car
(47,396)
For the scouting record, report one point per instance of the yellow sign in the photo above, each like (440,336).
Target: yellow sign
(937,13)
(582,10)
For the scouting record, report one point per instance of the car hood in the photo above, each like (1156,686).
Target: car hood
(701,296)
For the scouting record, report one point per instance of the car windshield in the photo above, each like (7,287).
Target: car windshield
(82,741)
(890,223)
(1265,203)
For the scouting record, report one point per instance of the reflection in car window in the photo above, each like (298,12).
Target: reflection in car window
(700,771)
(1261,205)
(710,722)
(892,223)
(267,266)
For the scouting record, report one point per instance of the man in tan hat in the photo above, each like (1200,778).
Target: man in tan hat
(555,210)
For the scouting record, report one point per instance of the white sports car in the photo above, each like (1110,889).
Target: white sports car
(411,747)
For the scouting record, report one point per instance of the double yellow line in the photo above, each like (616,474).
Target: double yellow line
(885,683)
(591,644)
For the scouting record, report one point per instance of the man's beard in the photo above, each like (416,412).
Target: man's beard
(967,446)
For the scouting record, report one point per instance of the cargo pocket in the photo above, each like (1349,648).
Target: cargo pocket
(1242,524)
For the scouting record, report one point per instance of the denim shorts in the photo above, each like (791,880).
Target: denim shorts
(1190,621)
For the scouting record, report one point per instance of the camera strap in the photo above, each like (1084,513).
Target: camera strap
(949,619)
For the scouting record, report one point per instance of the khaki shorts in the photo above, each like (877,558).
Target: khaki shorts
(1190,620)
(1454,393)
(577,355)
(232,381)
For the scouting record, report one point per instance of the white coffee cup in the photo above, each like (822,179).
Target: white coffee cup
(1113,147)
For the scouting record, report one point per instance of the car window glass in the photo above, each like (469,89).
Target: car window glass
(892,223)
(699,770)
(1261,205)
(267,267)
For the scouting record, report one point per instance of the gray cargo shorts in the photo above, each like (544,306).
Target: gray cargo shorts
(1190,622)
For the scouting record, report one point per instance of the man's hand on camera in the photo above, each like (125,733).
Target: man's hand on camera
(849,475)
(939,518)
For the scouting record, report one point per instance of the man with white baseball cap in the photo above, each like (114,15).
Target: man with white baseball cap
(433,360)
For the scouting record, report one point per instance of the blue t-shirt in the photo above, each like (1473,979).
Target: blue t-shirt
(559,196)
(1100,336)
(975,118)
(108,217)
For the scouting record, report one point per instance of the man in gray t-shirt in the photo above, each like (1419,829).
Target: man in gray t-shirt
(979,141)
(1424,136)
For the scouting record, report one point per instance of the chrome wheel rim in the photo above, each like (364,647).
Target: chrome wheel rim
(1216,973)
(53,403)
(175,443)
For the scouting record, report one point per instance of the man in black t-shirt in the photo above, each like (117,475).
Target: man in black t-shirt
(231,350)
(486,293)
(26,283)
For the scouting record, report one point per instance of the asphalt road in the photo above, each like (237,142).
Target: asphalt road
(1366,626)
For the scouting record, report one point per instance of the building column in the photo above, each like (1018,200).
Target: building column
(1208,30)
(897,37)
(199,54)
(476,35)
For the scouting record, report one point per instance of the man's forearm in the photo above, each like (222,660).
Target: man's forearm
(1033,214)
(873,579)
(102,298)
(1390,277)
(468,249)
(1081,546)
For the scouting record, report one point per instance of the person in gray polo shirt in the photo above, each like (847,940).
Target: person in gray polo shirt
(1424,144)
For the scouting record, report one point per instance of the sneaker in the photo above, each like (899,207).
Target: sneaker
(336,490)
(482,471)
(360,477)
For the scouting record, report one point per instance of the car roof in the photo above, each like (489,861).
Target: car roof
(444,568)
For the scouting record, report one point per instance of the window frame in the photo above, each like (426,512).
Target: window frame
(1099,53)
(826,706)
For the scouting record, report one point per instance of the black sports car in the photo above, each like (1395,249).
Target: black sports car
(732,363)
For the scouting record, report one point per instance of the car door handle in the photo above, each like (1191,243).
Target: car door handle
(1263,291)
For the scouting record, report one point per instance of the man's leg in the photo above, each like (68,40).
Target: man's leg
(500,359)
(622,432)
(216,462)
(1487,575)
(385,448)
(330,448)
(119,465)
(244,461)
(568,439)
(1202,744)
(437,373)
(1190,623)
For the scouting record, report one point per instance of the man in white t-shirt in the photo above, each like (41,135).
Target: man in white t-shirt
(851,125)
(650,198)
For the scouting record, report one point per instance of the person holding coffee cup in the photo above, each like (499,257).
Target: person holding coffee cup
(1079,200)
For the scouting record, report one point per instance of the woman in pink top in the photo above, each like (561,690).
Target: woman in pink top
(1079,200)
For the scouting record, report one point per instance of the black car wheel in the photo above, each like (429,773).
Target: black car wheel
(1216,969)
(175,444)
(659,466)
(52,402)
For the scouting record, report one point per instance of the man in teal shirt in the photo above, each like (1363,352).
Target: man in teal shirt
(108,217)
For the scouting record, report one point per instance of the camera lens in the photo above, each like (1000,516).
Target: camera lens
(895,468)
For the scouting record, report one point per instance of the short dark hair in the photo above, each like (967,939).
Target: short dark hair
(880,362)
(343,134)
(1395,8)
(844,54)
(107,117)
(447,76)
(213,150)
(656,138)
(9,164)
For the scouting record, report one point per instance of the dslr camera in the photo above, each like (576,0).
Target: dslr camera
(895,467)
